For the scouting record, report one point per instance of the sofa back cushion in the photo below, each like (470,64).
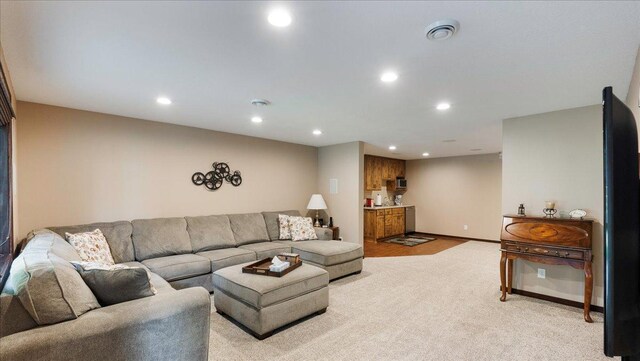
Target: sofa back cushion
(13,317)
(160,237)
(48,286)
(118,235)
(46,239)
(273,225)
(210,232)
(248,228)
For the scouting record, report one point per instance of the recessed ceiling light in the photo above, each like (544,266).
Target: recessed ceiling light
(163,100)
(392,147)
(425,154)
(256,120)
(317,132)
(279,18)
(443,106)
(389,77)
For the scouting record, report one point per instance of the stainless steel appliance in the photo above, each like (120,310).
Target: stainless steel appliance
(409,220)
(401,183)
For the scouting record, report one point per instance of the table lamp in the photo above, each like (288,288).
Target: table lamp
(316,202)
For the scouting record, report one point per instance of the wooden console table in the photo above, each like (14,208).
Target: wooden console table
(553,241)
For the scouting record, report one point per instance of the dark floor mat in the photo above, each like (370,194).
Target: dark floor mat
(409,241)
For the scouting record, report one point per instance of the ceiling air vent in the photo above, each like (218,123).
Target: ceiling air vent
(442,30)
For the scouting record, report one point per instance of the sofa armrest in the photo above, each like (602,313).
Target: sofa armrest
(324,234)
(167,326)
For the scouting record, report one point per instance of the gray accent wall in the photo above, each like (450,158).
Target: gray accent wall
(345,163)
(451,192)
(556,156)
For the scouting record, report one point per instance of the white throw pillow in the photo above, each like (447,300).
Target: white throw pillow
(285,229)
(302,229)
(91,246)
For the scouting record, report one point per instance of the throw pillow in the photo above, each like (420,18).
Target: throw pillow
(91,246)
(302,229)
(285,229)
(116,283)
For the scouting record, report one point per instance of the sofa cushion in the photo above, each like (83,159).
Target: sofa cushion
(285,242)
(46,239)
(260,292)
(248,228)
(118,235)
(266,249)
(13,317)
(221,258)
(157,282)
(48,287)
(327,253)
(324,233)
(210,232)
(91,246)
(173,268)
(160,237)
(115,283)
(272,223)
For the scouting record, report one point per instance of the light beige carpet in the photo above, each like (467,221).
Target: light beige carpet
(439,307)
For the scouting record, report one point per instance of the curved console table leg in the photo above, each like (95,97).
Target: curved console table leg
(588,291)
(503,276)
(510,263)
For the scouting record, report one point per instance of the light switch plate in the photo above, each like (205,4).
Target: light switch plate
(333,186)
(542,273)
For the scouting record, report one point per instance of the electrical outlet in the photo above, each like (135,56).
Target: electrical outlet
(465,227)
(542,273)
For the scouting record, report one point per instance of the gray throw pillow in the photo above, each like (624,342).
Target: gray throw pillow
(117,283)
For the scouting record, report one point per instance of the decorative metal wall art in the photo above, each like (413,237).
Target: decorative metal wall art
(213,180)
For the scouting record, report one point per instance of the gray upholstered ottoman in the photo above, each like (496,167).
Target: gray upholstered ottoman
(263,304)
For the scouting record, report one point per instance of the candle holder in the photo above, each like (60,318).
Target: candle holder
(549,212)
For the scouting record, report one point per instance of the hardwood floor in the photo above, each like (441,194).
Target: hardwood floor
(383,249)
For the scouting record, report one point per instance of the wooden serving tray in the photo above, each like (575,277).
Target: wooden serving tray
(262,268)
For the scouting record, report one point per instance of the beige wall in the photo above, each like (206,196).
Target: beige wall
(453,191)
(344,162)
(78,167)
(633,96)
(556,156)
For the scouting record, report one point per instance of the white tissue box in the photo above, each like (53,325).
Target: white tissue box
(279,267)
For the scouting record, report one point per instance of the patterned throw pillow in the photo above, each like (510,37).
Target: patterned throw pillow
(91,246)
(285,229)
(302,229)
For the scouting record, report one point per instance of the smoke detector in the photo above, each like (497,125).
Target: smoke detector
(442,30)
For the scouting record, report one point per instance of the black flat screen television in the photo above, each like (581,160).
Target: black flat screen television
(621,230)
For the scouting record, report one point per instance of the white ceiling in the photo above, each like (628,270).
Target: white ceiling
(211,58)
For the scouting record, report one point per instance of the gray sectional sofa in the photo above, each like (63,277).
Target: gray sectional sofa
(179,254)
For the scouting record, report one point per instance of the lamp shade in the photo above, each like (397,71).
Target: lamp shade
(316,202)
